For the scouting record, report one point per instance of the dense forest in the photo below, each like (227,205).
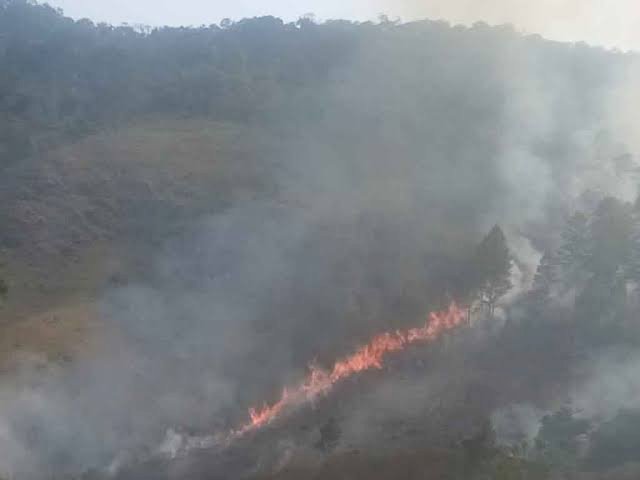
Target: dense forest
(63,79)
(192,216)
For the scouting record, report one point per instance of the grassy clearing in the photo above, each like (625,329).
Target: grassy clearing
(95,210)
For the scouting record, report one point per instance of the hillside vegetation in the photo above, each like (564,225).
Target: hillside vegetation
(190,217)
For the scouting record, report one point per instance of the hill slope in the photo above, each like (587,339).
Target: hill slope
(90,213)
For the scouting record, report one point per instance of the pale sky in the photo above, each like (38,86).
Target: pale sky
(611,23)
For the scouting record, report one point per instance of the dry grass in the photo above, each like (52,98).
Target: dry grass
(86,213)
(56,335)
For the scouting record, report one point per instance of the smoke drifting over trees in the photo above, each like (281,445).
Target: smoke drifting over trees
(395,167)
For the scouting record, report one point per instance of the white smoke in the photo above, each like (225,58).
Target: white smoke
(611,384)
(610,24)
(517,424)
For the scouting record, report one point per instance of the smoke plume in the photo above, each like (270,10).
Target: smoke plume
(429,137)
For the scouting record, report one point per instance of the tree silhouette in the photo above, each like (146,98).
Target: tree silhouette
(575,250)
(492,269)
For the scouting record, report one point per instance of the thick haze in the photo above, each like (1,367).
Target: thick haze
(611,24)
(388,172)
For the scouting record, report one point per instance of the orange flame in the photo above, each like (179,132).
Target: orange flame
(370,356)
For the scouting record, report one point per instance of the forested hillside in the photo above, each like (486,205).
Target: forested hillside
(366,92)
(62,80)
(192,218)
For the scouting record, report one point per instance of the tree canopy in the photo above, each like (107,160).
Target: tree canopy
(492,268)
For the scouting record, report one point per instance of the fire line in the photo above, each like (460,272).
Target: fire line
(370,356)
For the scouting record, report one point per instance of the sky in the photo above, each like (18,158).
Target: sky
(610,23)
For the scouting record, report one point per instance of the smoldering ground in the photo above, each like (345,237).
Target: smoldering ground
(430,136)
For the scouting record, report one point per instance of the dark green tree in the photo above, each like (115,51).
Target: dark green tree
(616,441)
(558,439)
(547,274)
(575,250)
(599,252)
(492,269)
(611,233)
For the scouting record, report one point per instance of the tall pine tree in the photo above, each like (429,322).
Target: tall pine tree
(575,250)
(492,269)
(546,276)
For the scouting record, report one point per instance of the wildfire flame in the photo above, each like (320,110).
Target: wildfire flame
(370,356)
